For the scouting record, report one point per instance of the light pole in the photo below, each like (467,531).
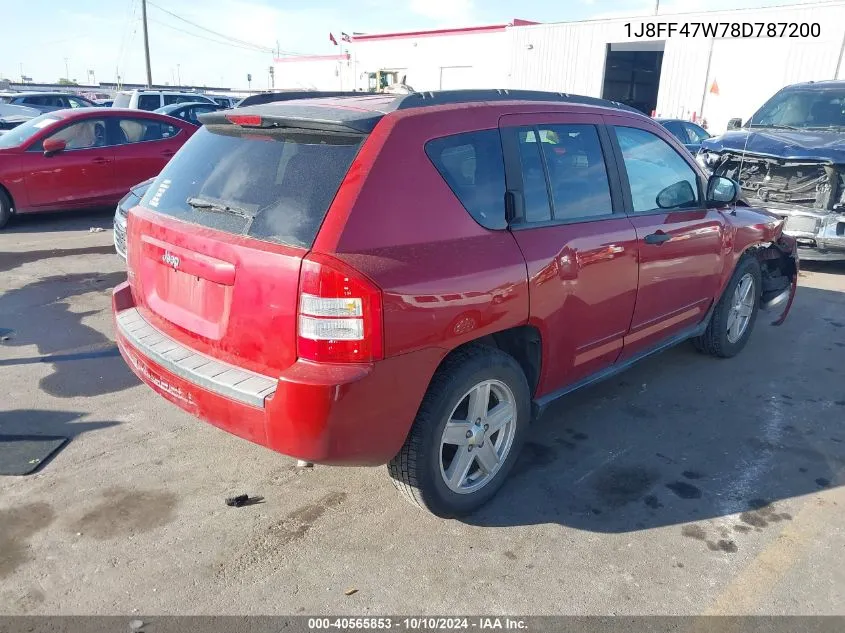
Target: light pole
(146,43)
(67,73)
(179,73)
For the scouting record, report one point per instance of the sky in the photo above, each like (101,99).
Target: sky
(52,38)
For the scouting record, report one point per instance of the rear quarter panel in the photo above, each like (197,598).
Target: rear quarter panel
(445,279)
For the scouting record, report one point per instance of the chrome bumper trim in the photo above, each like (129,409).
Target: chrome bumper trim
(210,374)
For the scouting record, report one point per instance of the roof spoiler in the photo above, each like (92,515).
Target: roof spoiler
(308,120)
(274,97)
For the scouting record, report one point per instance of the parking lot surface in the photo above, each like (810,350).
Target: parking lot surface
(685,485)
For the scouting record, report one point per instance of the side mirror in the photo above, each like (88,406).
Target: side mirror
(721,191)
(676,196)
(54,146)
(734,124)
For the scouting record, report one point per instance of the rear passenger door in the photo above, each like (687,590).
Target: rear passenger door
(578,244)
(142,148)
(679,240)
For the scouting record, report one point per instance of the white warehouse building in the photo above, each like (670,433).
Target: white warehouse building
(693,77)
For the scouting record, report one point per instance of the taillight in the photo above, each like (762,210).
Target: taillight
(340,313)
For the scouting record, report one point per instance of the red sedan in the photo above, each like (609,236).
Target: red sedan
(87,157)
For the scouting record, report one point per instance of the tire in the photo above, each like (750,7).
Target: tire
(5,208)
(717,339)
(419,470)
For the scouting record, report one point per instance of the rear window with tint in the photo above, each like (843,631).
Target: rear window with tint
(283,181)
(137,130)
(473,167)
(149,102)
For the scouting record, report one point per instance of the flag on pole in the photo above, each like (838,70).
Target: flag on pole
(714,88)
(332,39)
(345,37)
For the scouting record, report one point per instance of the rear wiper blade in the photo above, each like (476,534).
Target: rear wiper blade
(218,207)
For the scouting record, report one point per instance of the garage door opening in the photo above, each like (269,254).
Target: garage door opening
(632,74)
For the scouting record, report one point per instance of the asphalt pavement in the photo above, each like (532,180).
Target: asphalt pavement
(686,485)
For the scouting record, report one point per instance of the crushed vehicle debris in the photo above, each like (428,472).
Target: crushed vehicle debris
(790,159)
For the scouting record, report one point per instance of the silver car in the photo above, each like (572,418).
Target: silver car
(12,116)
(131,199)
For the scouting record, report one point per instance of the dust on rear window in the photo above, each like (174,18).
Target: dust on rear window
(284,181)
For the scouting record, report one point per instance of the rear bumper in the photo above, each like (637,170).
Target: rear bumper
(820,235)
(332,414)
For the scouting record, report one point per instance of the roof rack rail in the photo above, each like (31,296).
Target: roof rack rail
(448,97)
(438,97)
(291,95)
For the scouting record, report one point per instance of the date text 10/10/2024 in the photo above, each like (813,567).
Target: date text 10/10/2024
(417,624)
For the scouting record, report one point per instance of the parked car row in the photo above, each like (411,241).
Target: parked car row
(89,157)
(154,99)
(61,151)
(146,99)
(46,101)
(18,107)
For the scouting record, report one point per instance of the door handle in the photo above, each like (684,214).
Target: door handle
(657,238)
(100,160)
(168,153)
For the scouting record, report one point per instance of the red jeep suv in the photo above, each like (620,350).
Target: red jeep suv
(410,279)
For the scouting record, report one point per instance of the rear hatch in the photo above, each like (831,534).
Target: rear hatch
(216,244)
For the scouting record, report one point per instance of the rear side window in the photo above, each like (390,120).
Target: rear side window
(677,131)
(696,133)
(274,185)
(535,191)
(121,100)
(138,130)
(83,135)
(149,102)
(572,159)
(171,99)
(473,167)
